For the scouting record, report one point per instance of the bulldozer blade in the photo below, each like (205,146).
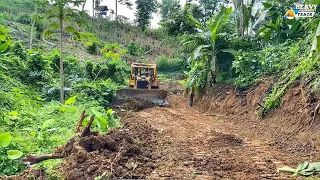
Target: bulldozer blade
(142,93)
(156,96)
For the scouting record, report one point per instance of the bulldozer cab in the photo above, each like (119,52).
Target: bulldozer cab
(143,76)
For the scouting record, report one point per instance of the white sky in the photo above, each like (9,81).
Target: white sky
(123,10)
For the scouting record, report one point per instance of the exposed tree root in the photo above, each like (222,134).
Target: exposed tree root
(82,117)
(36,159)
(86,131)
(315,112)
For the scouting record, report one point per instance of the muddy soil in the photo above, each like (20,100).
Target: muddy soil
(220,138)
(125,153)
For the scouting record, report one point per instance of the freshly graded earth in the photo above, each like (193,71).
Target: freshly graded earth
(220,138)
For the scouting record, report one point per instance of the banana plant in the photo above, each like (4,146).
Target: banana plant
(201,48)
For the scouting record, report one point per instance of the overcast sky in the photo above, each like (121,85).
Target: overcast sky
(123,10)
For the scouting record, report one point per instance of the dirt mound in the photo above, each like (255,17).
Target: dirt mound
(225,140)
(132,104)
(123,153)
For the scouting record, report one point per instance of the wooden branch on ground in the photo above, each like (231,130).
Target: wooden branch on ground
(82,117)
(86,130)
(36,159)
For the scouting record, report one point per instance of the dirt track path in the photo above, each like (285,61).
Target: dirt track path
(192,145)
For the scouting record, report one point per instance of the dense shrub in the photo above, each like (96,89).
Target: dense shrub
(114,69)
(40,71)
(18,50)
(134,49)
(91,42)
(13,66)
(24,19)
(170,65)
(271,61)
(92,47)
(101,91)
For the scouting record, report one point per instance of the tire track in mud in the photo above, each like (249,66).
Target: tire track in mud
(192,145)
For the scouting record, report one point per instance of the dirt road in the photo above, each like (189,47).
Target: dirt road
(179,142)
(193,145)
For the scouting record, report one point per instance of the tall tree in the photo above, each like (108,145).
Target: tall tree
(208,6)
(145,8)
(169,7)
(63,17)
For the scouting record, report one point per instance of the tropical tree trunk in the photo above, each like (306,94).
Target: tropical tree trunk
(92,9)
(61,65)
(83,5)
(116,9)
(31,34)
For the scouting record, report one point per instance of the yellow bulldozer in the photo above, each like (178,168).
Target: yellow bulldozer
(144,83)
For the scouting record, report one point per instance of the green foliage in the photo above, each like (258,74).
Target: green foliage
(113,51)
(102,91)
(165,64)
(5,39)
(279,29)
(91,42)
(39,68)
(307,67)
(134,49)
(273,60)
(5,139)
(24,19)
(145,8)
(113,69)
(18,50)
(168,7)
(178,22)
(17,6)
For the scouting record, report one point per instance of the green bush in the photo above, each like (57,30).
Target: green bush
(101,91)
(39,69)
(91,42)
(134,49)
(18,50)
(13,66)
(166,64)
(91,47)
(113,69)
(271,61)
(24,19)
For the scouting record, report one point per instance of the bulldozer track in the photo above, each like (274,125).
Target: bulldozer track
(193,145)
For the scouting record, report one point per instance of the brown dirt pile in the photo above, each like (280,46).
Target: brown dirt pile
(123,153)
